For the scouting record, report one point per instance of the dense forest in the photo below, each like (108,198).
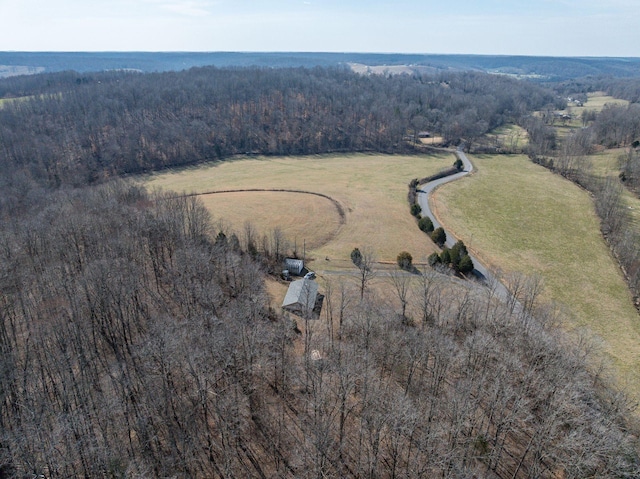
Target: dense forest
(71,128)
(137,339)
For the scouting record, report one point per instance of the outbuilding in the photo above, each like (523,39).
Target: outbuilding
(294,266)
(301,297)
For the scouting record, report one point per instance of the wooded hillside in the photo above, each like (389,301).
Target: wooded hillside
(135,344)
(71,128)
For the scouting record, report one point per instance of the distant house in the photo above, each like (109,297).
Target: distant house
(294,266)
(562,116)
(301,297)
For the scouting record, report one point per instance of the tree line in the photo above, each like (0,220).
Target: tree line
(614,127)
(617,87)
(68,128)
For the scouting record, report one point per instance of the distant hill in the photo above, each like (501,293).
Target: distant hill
(537,68)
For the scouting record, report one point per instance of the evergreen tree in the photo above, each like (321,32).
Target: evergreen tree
(405,260)
(466,265)
(425,224)
(356,257)
(439,237)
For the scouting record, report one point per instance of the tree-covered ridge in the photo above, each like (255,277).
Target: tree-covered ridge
(534,67)
(78,128)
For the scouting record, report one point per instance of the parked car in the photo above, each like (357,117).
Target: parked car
(310,275)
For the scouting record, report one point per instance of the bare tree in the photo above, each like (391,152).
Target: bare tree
(279,244)
(401,282)
(530,294)
(250,238)
(366,271)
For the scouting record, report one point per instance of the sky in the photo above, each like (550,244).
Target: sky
(501,27)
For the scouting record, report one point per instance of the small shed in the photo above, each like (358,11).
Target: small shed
(295,266)
(301,297)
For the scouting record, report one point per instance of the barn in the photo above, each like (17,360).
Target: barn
(301,297)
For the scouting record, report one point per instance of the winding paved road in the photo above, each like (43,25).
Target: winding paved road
(483,275)
(424,192)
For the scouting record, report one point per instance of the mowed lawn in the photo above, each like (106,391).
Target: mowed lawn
(517,216)
(372,190)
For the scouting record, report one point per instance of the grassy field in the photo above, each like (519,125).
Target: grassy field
(372,190)
(518,216)
(595,102)
(606,163)
(6,101)
(291,209)
(511,137)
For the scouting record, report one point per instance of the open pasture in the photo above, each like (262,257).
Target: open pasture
(517,216)
(371,189)
(509,137)
(606,163)
(289,211)
(595,102)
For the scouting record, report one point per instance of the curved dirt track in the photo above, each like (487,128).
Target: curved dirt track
(335,202)
(321,239)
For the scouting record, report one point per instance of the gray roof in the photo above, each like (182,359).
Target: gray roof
(294,265)
(301,296)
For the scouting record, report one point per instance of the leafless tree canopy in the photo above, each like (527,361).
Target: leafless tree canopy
(72,128)
(137,342)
